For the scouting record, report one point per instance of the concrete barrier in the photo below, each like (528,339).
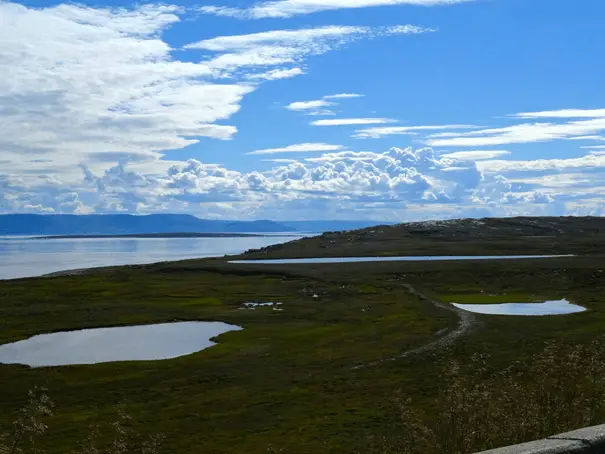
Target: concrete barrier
(590,440)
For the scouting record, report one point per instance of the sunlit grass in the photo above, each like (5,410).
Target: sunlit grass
(287,379)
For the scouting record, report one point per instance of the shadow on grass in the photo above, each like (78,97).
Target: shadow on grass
(559,389)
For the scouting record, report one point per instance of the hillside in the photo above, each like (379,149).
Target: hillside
(330,226)
(520,235)
(120,224)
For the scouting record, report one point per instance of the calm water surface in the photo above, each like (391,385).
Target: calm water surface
(429,258)
(24,257)
(127,343)
(558,307)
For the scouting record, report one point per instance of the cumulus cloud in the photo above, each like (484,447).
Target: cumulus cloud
(499,190)
(289,8)
(398,174)
(351,121)
(398,183)
(299,148)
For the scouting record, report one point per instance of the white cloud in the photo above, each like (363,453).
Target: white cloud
(556,182)
(397,175)
(320,113)
(521,133)
(287,47)
(475,155)
(280,160)
(499,190)
(253,40)
(597,138)
(338,181)
(121,110)
(349,156)
(378,132)
(80,82)
(277,74)
(318,106)
(587,161)
(563,113)
(299,148)
(411,29)
(101,85)
(396,184)
(344,96)
(309,105)
(352,121)
(595,147)
(289,8)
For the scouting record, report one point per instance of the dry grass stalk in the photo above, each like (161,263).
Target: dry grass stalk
(561,388)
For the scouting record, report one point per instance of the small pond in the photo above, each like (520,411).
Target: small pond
(558,307)
(252,305)
(425,258)
(101,345)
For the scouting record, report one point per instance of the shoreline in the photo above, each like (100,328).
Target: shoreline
(163,235)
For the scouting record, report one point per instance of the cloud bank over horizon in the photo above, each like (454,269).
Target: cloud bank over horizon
(395,185)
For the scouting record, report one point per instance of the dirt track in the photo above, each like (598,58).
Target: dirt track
(466,321)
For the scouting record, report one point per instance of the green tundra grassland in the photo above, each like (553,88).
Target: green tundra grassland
(288,379)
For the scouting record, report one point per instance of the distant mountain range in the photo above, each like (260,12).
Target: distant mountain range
(120,224)
(124,224)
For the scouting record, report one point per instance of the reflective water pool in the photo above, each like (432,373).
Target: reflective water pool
(125,343)
(253,305)
(26,257)
(558,307)
(425,258)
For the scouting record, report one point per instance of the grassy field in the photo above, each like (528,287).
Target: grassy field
(490,236)
(288,379)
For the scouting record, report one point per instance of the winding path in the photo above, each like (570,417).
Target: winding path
(466,321)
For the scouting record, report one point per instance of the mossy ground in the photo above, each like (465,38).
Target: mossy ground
(287,379)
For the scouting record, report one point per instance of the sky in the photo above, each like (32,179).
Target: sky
(388,110)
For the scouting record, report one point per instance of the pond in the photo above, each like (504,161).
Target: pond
(557,307)
(252,305)
(126,343)
(425,258)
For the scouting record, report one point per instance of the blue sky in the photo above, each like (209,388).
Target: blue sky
(304,109)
